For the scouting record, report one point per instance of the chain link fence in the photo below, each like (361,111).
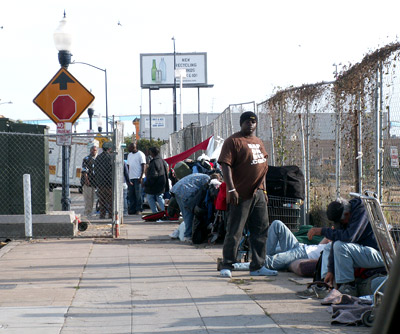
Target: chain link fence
(343,134)
(38,155)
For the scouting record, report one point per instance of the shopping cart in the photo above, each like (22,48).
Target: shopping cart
(384,234)
(285,209)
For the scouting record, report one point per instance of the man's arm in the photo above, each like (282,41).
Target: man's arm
(142,173)
(85,171)
(232,197)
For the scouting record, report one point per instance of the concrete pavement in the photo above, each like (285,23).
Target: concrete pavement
(144,282)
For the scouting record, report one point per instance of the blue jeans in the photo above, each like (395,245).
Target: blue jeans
(187,214)
(152,199)
(348,256)
(125,201)
(289,249)
(135,198)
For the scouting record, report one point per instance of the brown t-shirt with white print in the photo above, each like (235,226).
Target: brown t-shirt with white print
(247,158)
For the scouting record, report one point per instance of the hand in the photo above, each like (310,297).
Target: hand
(329,278)
(314,231)
(232,198)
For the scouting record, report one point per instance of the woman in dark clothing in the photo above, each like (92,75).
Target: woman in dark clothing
(156,180)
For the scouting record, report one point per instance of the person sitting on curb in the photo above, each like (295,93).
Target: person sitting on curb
(283,248)
(353,244)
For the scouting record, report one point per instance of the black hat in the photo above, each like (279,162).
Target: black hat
(248,115)
(335,210)
(106,145)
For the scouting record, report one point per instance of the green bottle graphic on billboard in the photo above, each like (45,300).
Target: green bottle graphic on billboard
(154,71)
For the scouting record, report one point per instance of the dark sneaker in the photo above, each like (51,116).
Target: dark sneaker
(347,289)
(307,293)
(321,292)
(314,290)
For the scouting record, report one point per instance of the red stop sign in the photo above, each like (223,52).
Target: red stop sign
(64,107)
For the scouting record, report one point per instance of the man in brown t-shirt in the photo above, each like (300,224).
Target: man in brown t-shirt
(244,165)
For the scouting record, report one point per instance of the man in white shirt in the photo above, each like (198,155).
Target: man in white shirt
(136,162)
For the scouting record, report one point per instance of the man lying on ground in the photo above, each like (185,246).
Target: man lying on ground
(289,249)
(283,248)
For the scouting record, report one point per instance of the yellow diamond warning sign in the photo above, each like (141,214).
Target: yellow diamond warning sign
(64,98)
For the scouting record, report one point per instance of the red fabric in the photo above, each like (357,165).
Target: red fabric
(359,272)
(220,202)
(182,156)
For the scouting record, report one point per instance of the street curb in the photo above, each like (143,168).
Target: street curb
(5,249)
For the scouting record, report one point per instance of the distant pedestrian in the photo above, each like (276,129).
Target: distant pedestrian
(156,183)
(244,165)
(125,184)
(136,162)
(88,182)
(104,180)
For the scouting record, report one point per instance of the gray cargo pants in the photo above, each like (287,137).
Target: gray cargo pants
(254,211)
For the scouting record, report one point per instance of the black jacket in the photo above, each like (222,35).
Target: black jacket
(103,170)
(358,230)
(156,177)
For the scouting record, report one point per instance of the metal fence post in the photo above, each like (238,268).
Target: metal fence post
(360,147)
(65,200)
(27,205)
(308,155)
(378,131)
(307,190)
(338,134)
(272,141)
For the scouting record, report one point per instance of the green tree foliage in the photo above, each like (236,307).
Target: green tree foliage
(144,144)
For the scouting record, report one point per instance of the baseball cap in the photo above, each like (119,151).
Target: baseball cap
(107,145)
(181,170)
(248,115)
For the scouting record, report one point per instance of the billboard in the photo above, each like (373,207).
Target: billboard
(157,69)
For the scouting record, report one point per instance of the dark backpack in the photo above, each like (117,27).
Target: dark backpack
(285,181)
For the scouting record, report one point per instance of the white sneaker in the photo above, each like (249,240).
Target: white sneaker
(241,266)
(175,234)
(225,273)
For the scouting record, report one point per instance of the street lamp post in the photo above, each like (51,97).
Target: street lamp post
(105,78)
(90,112)
(174,93)
(99,124)
(182,74)
(63,41)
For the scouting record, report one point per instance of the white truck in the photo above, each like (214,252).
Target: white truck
(80,148)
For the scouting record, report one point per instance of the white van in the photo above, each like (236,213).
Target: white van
(80,148)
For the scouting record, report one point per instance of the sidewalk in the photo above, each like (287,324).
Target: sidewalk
(144,282)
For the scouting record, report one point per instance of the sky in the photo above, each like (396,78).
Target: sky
(253,48)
